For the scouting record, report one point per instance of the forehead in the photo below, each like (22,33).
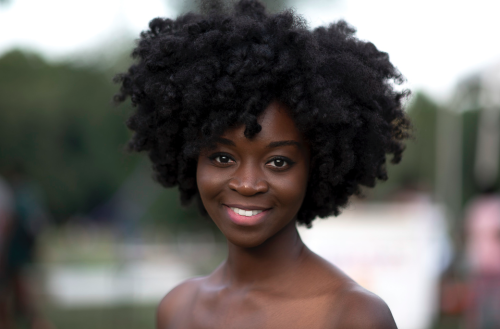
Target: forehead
(277,125)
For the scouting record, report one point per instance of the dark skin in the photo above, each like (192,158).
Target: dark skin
(270,278)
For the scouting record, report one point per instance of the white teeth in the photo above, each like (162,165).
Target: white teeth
(246,213)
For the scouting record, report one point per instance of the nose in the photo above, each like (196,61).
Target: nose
(248,180)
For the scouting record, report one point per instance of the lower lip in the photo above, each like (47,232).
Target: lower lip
(246,220)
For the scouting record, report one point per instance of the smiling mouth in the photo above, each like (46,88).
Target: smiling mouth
(246,217)
(247,213)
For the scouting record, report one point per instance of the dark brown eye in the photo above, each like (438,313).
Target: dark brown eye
(222,159)
(280,163)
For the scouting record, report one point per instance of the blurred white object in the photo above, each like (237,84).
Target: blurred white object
(131,283)
(395,250)
(490,87)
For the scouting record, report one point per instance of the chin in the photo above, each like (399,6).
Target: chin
(246,239)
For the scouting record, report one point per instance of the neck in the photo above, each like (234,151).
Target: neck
(267,263)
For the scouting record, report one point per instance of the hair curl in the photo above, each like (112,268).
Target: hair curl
(199,74)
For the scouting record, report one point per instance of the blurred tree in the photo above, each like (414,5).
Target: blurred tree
(57,120)
(469,104)
(421,152)
(470,124)
(417,168)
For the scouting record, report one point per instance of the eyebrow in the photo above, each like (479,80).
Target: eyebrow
(229,142)
(283,143)
(225,141)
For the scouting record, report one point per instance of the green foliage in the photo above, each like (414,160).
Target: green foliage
(417,168)
(58,122)
(421,152)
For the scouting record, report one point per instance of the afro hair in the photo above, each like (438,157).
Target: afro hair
(198,75)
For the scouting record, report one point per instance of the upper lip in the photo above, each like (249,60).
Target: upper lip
(245,207)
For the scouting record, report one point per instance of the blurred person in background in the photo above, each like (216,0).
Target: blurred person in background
(483,255)
(27,219)
(6,218)
(266,124)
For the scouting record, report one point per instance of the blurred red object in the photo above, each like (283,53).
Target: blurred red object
(455,297)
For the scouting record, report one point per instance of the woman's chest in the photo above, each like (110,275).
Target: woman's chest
(256,312)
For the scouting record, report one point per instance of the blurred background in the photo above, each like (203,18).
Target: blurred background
(88,240)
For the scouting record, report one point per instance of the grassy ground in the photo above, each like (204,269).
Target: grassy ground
(449,322)
(123,317)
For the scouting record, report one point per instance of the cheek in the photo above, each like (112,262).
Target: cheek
(208,181)
(292,189)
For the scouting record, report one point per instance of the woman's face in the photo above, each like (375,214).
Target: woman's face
(253,188)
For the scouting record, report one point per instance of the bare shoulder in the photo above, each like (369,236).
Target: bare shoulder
(176,300)
(349,305)
(361,309)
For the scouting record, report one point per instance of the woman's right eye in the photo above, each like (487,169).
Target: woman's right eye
(222,159)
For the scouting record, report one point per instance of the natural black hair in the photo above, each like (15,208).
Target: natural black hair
(200,74)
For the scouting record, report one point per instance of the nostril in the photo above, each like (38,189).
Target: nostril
(262,187)
(233,184)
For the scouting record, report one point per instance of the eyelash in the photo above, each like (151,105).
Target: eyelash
(288,163)
(218,155)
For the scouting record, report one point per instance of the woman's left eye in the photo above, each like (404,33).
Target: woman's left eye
(279,163)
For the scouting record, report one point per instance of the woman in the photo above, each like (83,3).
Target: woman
(266,124)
